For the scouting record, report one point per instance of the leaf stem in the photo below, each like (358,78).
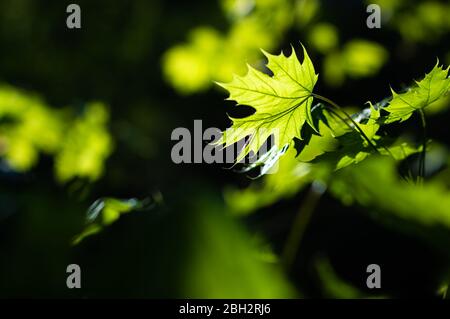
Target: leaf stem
(424,145)
(300,223)
(356,126)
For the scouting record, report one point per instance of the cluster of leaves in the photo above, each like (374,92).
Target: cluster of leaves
(28,127)
(323,139)
(283,104)
(321,144)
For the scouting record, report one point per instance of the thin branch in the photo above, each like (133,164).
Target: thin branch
(356,126)
(424,145)
(300,223)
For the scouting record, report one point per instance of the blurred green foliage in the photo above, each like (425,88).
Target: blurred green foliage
(334,286)
(239,264)
(68,165)
(103,212)
(86,146)
(374,184)
(210,55)
(260,24)
(358,58)
(29,127)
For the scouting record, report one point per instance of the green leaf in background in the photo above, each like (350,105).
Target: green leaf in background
(374,183)
(87,146)
(350,148)
(335,148)
(353,148)
(358,58)
(225,261)
(323,37)
(28,126)
(282,102)
(329,128)
(433,87)
(335,287)
(443,290)
(103,212)
(362,58)
(292,175)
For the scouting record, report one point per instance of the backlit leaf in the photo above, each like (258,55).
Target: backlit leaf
(282,102)
(433,87)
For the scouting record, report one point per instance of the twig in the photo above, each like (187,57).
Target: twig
(300,223)
(357,127)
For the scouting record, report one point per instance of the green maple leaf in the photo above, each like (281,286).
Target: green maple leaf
(433,87)
(282,103)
